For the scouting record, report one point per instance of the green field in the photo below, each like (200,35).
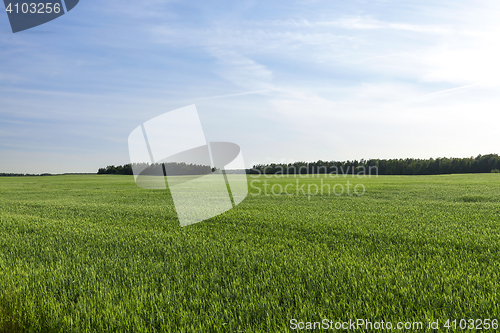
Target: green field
(98,254)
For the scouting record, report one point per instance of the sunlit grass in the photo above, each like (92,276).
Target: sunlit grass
(97,253)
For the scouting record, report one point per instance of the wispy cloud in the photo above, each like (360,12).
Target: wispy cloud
(362,23)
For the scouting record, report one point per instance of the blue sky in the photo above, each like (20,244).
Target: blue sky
(286,80)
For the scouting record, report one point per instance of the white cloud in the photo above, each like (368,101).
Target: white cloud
(414,83)
(466,60)
(242,71)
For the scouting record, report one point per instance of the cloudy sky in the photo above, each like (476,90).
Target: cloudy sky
(286,80)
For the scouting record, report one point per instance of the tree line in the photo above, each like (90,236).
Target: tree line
(408,166)
(153,169)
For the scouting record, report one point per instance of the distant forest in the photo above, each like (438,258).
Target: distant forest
(157,169)
(408,166)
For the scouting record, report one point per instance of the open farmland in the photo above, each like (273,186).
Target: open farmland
(98,254)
